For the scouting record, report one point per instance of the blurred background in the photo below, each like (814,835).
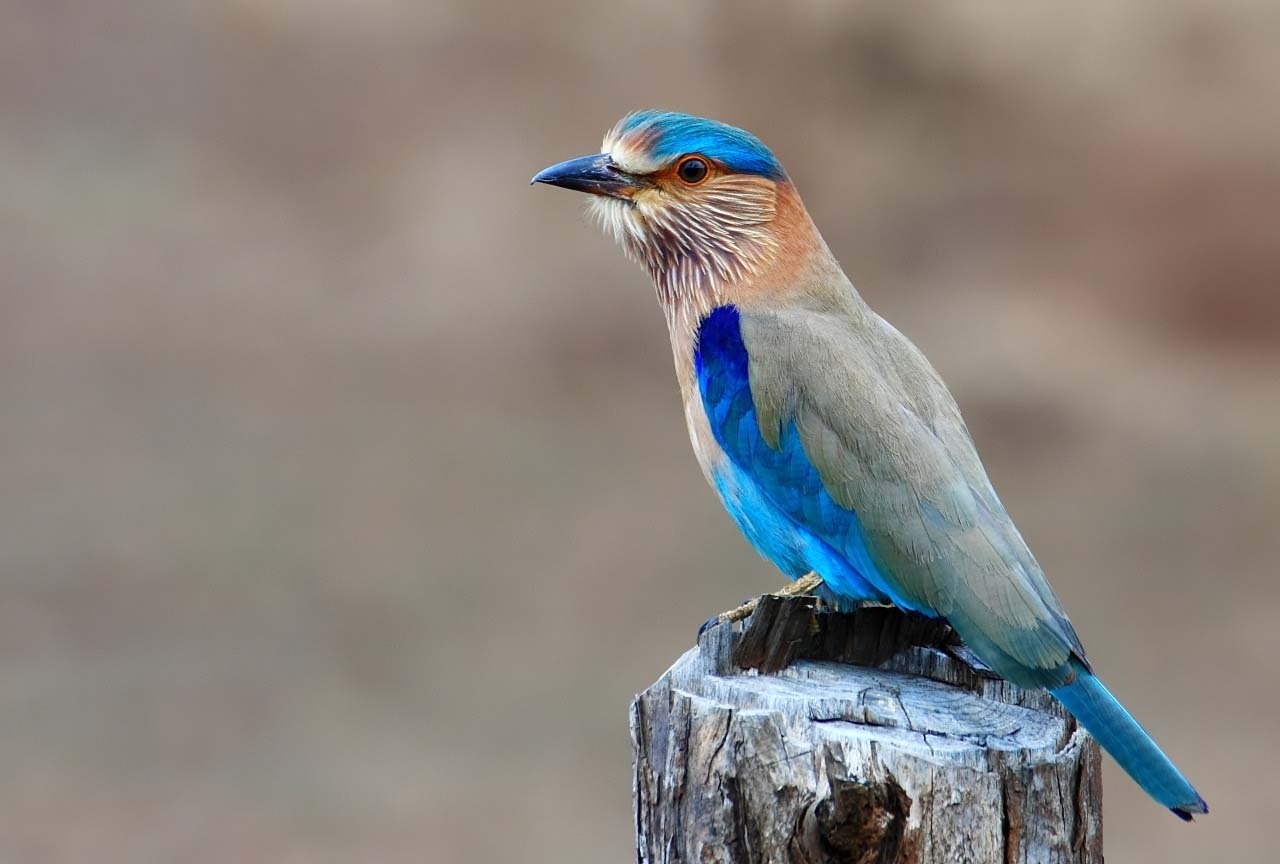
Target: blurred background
(347,496)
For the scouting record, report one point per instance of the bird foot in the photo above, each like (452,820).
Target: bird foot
(806,584)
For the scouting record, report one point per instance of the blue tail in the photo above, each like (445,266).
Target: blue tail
(1122,737)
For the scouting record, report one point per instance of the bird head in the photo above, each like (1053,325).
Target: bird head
(702,205)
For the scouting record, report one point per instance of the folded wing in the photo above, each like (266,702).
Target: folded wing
(857,439)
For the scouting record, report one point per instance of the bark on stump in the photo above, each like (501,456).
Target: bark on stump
(802,736)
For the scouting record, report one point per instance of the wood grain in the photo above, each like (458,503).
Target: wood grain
(869,737)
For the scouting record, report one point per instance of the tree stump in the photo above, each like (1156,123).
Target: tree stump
(872,737)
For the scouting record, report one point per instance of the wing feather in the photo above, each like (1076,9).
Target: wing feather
(887,440)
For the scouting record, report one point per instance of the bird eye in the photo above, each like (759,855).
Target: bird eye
(692,170)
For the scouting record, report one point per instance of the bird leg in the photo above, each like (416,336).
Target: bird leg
(806,584)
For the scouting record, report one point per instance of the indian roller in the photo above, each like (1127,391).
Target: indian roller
(830,439)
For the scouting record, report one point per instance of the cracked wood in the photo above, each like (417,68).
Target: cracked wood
(876,738)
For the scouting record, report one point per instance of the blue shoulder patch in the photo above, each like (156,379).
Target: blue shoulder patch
(780,490)
(678,134)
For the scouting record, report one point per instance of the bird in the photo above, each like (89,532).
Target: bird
(829,437)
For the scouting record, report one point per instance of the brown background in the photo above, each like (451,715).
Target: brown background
(347,499)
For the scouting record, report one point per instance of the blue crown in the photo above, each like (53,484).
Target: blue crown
(671,134)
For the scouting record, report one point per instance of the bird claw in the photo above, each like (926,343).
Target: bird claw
(737,613)
(711,622)
(806,584)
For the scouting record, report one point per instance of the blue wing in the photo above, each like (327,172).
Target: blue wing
(776,496)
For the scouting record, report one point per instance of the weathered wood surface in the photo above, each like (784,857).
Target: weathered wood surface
(880,739)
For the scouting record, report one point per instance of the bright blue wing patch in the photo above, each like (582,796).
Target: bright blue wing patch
(776,496)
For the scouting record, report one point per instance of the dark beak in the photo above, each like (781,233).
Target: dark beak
(595,174)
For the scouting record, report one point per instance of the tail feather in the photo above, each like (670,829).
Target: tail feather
(1127,742)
